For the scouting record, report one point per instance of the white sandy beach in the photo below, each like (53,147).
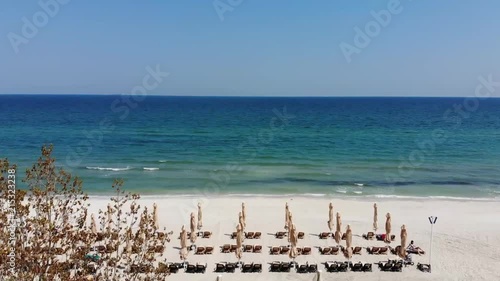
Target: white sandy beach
(465,244)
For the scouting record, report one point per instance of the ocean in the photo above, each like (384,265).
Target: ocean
(338,146)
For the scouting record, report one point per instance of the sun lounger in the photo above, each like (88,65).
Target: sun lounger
(209,250)
(174,267)
(191,268)
(334,251)
(367,267)
(274,251)
(331,267)
(396,250)
(344,236)
(301,235)
(285,267)
(356,267)
(246,268)
(280,234)
(233,235)
(357,251)
(324,235)
(369,236)
(257,235)
(230,267)
(200,251)
(207,234)
(249,235)
(306,251)
(325,251)
(302,268)
(284,250)
(373,250)
(226,248)
(257,267)
(233,248)
(397,267)
(424,267)
(248,248)
(201,268)
(275,267)
(257,249)
(312,268)
(383,251)
(220,267)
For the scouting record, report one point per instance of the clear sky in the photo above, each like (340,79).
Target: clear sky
(280,47)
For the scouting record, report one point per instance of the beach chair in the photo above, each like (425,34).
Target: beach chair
(246,268)
(209,250)
(230,267)
(233,235)
(257,249)
(173,268)
(301,235)
(369,236)
(284,250)
(397,266)
(331,267)
(275,267)
(257,267)
(257,235)
(344,236)
(220,267)
(248,248)
(343,266)
(201,268)
(299,251)
(386,266)
(372,250)
(200,251)
(324,235)
(396,250)
(367,267)
(312,268)
(249,235)
(357,251)
(226,248)
(274,251)
(306,251)
(207,234)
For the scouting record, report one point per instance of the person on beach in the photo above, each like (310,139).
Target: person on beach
(414,249)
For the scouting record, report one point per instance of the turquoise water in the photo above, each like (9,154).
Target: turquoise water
(222,145)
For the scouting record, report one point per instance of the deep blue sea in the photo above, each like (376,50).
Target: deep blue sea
(383,147)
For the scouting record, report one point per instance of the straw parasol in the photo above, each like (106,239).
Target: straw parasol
(239,242)
(388,228)
(402,250)
(155,216)
(375,217)
(93,226)
(330,216)
(287,215)
(293,241)
(290,224)
(338,231)
(244,215)
(192,235)
(200,217)
(183,252)
(241,221)
(348,242)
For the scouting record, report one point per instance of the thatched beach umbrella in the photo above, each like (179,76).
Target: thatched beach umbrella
(183,252)
(93,225)
(244,215)
(293,241)
(375,217)
(155,216)
(348,242)
(287,215)
(338,231)
(241,222)
(192,236)
(330,217)
(239,242)
(200,217)
(290,224)
(388,228)
(402,250)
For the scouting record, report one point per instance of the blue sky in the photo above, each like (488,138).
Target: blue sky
(281,47)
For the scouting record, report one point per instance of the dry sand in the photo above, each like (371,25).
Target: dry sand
(465,243)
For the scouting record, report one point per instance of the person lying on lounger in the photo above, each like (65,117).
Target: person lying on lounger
(414,249)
